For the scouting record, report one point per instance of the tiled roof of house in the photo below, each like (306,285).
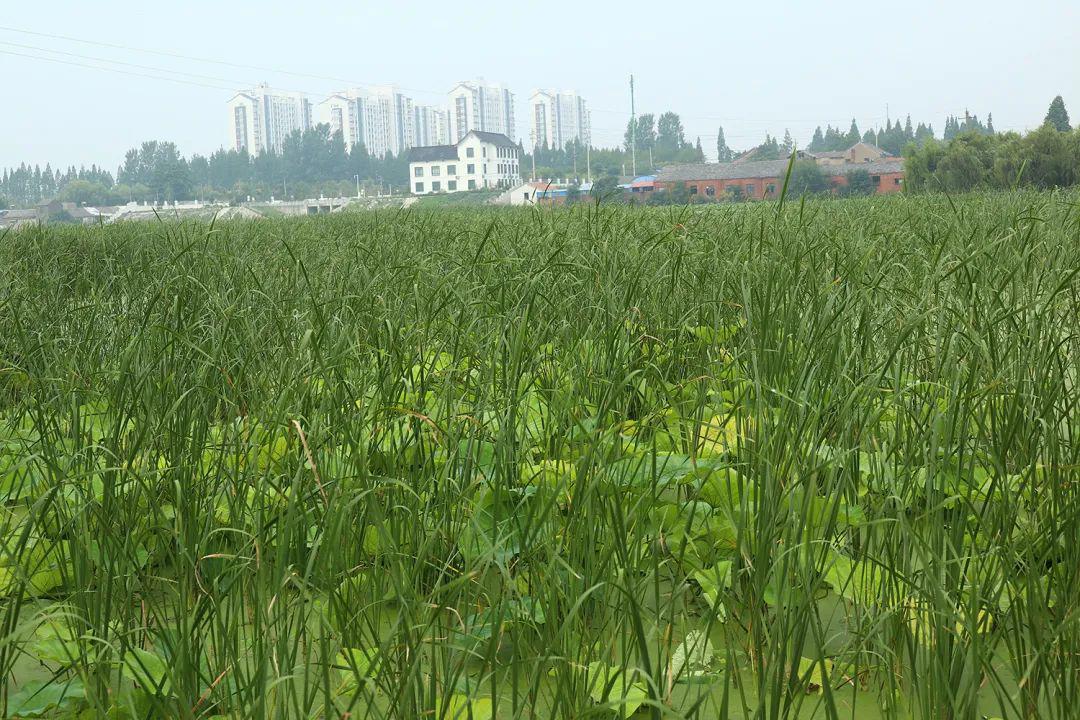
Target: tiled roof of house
(870,146)
(433,153)
(723,171)
(763,169)
(494,138)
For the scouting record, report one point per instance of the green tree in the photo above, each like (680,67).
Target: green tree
(853,135)
(768,150)
(807,179)
(1057,116)
(724,153)
(86,192)
(679,195)
(605,189)
(859,183)
(788,146)
(669,135)
(645,135)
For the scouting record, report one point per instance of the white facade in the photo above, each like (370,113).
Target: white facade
(379,117)
(430,126)
(478,161)
(478,106)
(558,118)
(261,119)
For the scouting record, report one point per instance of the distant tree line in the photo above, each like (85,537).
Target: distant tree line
(892,138)
(972,155)
(25,186)
(1043,158)
(657,141)
(311,163)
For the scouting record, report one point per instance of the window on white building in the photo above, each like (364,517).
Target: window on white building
(419,187)
(470,152)
(470,169)
(451,169)
(436,186)
(418,172)
(436,171)
(451,185)
(472,184)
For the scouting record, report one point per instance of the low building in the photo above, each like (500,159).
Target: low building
(479,161)
(764,179)
(858,153)
(642,184)
(542,192)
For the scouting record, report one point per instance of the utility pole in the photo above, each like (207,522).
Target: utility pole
(633,130)
(588,161)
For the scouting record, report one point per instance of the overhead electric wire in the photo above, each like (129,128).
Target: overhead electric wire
(211,61)
(236,85)
(126,64)
(117,70)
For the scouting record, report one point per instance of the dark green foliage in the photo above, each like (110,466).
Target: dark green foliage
(645,135)
(859,183)
(1057,116)
(678,195)
(27,186)
(768,150)
(723,152)
(605,188)
(969,124)
(807,178)
(669,134)
(310,163)
(1043,158)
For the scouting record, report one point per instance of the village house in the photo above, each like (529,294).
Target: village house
(764,179)
(480,160)
(857,153)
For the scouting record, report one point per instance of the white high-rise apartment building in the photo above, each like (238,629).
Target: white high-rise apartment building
(558,118)
(478,106)
(380,117)
(262,118)
(430,126)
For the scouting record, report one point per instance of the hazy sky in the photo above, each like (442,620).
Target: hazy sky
(754,67)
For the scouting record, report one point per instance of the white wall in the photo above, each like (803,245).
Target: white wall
(489,170)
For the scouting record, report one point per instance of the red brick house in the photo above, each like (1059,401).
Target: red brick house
(764,179)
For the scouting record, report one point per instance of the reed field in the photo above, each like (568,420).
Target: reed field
(767,461)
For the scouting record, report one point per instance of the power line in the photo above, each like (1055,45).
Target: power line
(330,78)
(116,70)
(212,61)
(126,64)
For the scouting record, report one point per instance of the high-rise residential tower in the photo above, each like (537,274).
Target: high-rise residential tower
(262,118)
(430,126)
(558,118)
(483,107)
(379,117)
